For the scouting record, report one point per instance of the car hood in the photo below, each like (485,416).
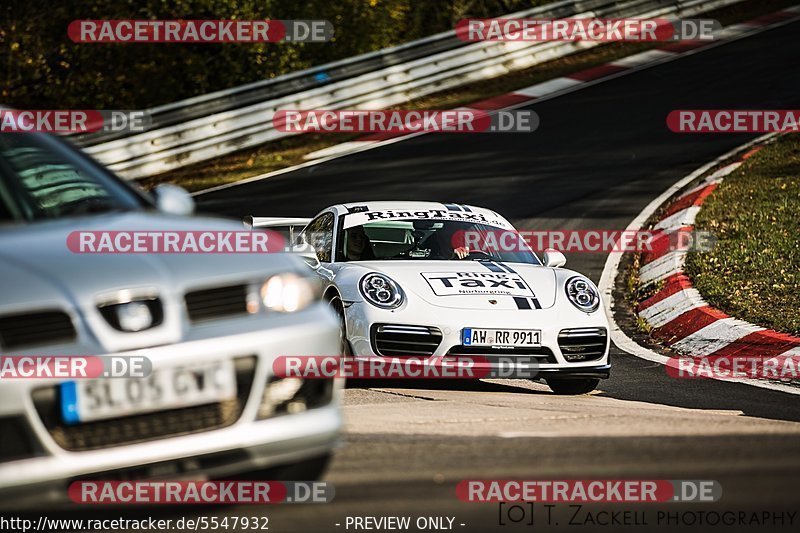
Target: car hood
(473,284)
(37,268)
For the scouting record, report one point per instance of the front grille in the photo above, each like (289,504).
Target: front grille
(492,354)
(219,302)
(111,312)
(393,340)
(583,344)
(147,426)
(31,329)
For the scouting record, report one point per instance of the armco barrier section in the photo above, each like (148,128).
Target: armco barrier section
(212,125)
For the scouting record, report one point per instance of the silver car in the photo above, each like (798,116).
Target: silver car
(198,317)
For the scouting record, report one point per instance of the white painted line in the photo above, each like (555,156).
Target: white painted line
(547,87)
(663,267)
(703,184)
(715,336)
(671,307)
(735,30)
(642,58)
(714,177)
(684,217)
(337,149)
(724,171)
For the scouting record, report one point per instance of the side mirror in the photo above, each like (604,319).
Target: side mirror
(553,258)
(306,252)
(173,200)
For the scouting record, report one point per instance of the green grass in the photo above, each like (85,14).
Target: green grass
(754,271)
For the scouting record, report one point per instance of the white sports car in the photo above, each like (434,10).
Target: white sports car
(403,287)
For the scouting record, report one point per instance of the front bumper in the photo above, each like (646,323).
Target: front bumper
(551,360)
(589,372)
(244,445)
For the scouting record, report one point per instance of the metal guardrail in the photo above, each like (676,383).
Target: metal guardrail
(294,82)
(215,124)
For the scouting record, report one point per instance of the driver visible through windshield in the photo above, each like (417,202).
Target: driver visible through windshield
(421,239)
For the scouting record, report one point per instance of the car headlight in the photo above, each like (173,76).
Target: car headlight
(582,294)
(287,293)
(381,291)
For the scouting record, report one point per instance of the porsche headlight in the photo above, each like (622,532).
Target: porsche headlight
(287,293)
(582,294)
(381,291)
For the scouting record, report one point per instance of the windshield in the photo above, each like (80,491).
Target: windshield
(422,239)
(42,178)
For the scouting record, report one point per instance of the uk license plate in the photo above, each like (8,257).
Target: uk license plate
(165,388)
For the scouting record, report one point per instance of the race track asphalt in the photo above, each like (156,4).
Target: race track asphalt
(600,155)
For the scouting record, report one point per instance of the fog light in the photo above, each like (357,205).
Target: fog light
(17,440)
(293,395)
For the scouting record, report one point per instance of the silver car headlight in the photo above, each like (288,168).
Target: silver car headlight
(287,293)
(582,294)
(381,291)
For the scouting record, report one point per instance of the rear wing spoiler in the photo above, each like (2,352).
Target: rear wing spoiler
(289,225)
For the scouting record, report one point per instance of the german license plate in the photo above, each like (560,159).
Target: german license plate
(165,388)
(523,338)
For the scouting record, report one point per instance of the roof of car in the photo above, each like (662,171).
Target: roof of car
(409,206)
(362,212)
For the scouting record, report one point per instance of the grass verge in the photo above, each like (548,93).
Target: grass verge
(290,151)
(754,271)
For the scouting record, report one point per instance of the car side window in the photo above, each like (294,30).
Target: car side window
(41,178)
(319,234)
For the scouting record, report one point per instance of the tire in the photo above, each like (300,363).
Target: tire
(338,308)
(572,387)
(306,470)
